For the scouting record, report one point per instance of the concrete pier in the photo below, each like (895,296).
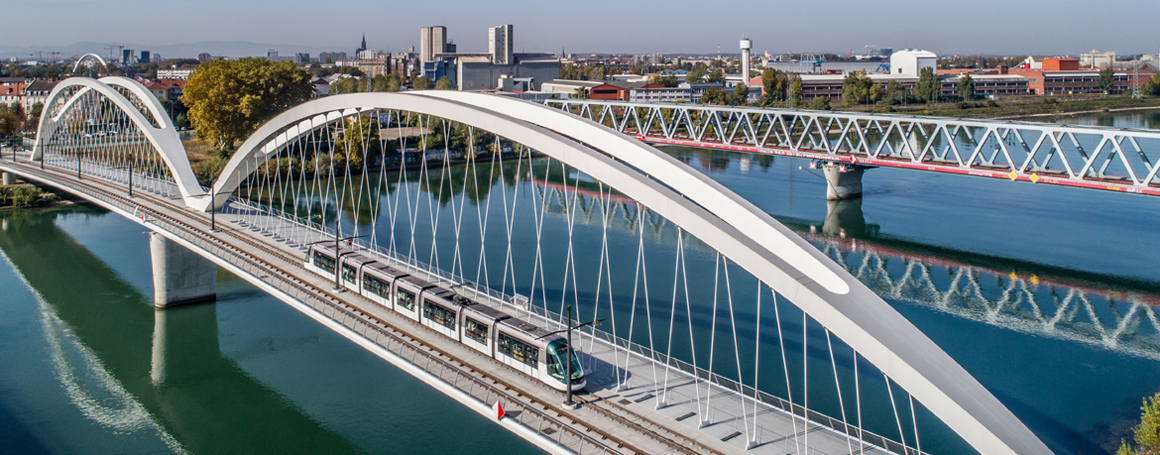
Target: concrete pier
(9,179)
(180,276)
(844,181)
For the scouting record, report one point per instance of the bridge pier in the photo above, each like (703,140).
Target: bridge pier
(180,276)
(843,181)
(9,179)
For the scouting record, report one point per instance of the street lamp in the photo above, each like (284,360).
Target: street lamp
(568,403)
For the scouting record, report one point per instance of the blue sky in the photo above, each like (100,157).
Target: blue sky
(976,26)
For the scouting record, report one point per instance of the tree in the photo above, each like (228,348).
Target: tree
(1106,80)
(820,103)
(794,96)
(667,80)
(10,121)
(34,114)
(421,83)
(896,93)
(348,85)
(857,88)
(774,84)
(1152,87)
(229,99)
(1147,433)
(927,89)
(580,93)
(696,75)
(444,83)
(740,95)
(966,89)
(714,96)
(358,141)
(717,76)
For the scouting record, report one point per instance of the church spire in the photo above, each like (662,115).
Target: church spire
(364,42)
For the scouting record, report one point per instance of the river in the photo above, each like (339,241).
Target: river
(80,374)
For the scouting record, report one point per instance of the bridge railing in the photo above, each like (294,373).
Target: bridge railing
(554,319)
(533,419)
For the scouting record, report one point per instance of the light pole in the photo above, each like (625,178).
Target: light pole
(131,156)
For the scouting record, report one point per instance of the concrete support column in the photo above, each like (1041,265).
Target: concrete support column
(843,181)
(9,179)
(180,276)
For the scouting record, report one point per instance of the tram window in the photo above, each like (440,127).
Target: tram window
(349,273)
(405,299)
(517,349)
(475,330)
(323,262)
(438,314)
(376,286)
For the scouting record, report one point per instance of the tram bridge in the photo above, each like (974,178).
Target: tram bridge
(655,386)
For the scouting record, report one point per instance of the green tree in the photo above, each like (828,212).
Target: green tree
(927,89)
(696,75)
(794,95)
(858,88)
(358,141)
(1106,80)
(347,85)
(896,93)
(740,95)
(11,120)
(34,114)
(421,83)
(717,76)
(229,99)
(1148,431)
(444,83)
(775,84)
(714,96)
(580,93)
(820,103)
(1152,87)
(667,80)
(966,88)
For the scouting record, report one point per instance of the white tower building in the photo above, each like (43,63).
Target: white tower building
(745,45)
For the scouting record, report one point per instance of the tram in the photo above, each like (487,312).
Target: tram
(519,344)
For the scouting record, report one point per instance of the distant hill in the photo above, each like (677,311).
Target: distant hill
(191,50)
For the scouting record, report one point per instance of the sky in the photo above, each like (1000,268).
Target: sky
(996,27)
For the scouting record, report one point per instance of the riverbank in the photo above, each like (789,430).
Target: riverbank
(26,195)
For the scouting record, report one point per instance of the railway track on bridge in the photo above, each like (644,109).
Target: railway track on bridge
(675,442)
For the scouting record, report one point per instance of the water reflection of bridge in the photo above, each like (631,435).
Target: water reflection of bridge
(1024,297)
(129,367)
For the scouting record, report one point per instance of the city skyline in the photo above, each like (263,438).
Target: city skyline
(1038,27)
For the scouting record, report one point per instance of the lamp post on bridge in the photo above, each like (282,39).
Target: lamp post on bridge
(568,403)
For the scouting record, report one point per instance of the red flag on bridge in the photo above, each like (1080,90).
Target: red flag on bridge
(498,408)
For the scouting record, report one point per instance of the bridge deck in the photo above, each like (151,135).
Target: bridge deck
(627,419)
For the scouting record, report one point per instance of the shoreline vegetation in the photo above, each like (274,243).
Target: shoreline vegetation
(25,195)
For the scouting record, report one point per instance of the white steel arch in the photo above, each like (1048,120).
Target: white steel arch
(721,219)
(163,137)
(90,56)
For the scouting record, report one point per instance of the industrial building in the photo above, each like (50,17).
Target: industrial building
(496,69)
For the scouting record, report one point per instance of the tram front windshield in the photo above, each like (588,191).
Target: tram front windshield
(557,351)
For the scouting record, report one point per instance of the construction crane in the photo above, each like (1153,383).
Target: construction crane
(111,54)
